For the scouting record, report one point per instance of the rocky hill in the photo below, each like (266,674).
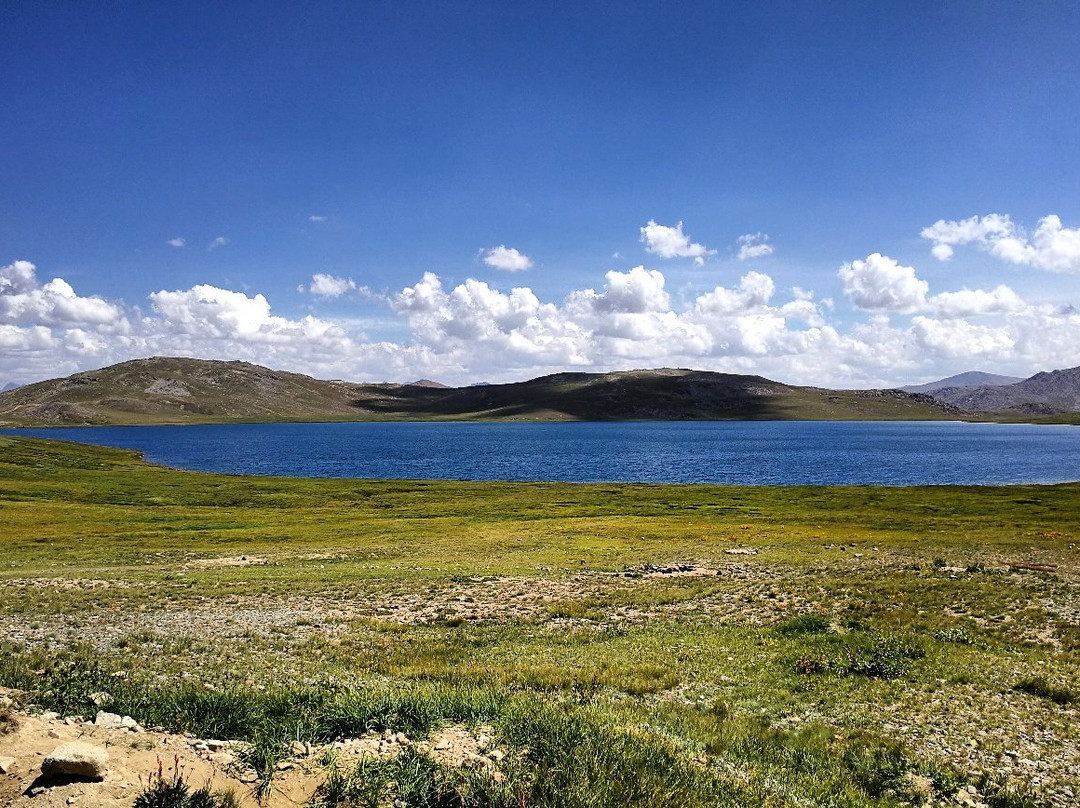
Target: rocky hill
(172,390)
(1053,392)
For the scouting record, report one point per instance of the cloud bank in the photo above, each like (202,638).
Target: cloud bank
(878,322)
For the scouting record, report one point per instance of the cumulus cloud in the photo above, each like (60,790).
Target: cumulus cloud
(982,229)
(220,241)
(176,242)
(1052,247)
(507,259)
(880,284)
(24,300)
(637,291)
(754,245)
(316,218)
(754,291)
(672,242)
(323,285)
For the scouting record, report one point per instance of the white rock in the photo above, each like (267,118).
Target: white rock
(76,759)
(6,765)
(107,720)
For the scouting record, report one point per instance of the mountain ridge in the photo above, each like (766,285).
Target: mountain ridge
(172,390)
(971,378)
(1047,393)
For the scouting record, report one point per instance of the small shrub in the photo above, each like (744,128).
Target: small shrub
(720,709)
(954,634)
(1039,686)
(263,755)
(809,665)
(883,657)
(174,792)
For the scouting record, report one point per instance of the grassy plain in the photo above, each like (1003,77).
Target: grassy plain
(625,644)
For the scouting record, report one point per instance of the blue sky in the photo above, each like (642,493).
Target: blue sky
(388,148)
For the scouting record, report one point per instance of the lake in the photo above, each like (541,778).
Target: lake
(727,452)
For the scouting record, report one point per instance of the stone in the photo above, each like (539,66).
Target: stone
(76,759)
(108,720)
(7,764)
(215,745)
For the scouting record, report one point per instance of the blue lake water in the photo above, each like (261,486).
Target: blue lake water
(728,452)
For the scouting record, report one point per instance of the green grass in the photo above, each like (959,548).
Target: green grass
(873,635)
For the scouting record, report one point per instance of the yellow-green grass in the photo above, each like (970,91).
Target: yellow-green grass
(931,629)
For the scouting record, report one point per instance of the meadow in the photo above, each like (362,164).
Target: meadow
(620,645)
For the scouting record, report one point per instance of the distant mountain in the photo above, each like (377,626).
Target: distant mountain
(1055,392)
(9,386)
(973,378)
(429,383)
(171,390)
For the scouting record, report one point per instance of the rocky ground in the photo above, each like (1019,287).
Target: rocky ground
(130,755)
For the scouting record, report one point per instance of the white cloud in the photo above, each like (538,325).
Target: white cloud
(754,291)
(1051,247)
(23,300)
(316,218)
(507,259)
(323,285)
(639,290)
(220,241)
(176,242)
(672,242)
(978,302)
(881,284)
(948,234)
(474,330)
(955,338)
(754,245)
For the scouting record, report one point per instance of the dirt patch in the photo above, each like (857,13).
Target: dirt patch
(136,755)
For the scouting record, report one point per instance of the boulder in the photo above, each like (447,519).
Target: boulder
(7,764)
(76,759)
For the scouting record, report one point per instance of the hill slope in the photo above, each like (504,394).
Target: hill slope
(171,390)
(973,378)
(1057,391)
